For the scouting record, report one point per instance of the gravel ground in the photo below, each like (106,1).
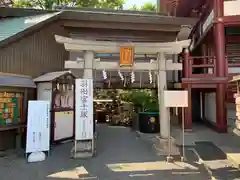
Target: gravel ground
(121,155)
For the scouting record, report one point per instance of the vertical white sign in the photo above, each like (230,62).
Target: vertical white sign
(84,109)
(38,126)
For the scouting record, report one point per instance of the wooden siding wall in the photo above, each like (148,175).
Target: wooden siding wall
(35,54)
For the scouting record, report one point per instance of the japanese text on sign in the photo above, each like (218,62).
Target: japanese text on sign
(84,109)
(126,56)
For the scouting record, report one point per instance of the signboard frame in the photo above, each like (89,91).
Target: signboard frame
(176,99)
(38,127)
(125,52)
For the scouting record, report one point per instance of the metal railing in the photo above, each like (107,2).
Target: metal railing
(205,66)
(202,66)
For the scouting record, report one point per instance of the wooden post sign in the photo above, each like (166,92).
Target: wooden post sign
(176,99)
(126,55)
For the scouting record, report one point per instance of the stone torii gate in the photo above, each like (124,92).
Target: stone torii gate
(159,65)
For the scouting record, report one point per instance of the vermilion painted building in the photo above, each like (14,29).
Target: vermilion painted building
(168,6)
(214,57)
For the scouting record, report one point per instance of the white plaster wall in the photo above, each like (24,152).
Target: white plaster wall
(210,110)
(210,107)
(231,8)
(44,91)
(234,70)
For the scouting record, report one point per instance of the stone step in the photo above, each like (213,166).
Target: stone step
(82,155)
(84,149)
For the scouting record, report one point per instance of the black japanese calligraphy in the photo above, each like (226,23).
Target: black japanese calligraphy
(83,114)
(83,83)
(84,91)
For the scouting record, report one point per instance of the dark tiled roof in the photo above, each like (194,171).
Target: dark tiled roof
(15,80)
(48,77)
(21,12)
(13,26)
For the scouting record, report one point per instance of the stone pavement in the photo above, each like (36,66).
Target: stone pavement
(159,145)
(121,155)
(220,153)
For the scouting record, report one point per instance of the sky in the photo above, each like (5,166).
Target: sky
(130,3)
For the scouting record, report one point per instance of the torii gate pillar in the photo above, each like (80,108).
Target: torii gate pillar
(88,65)
(162,85)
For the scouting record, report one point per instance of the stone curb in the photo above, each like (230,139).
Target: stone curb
(234,162)
(229,158)
(204,164)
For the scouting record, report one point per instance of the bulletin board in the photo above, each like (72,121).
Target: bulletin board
(10,107)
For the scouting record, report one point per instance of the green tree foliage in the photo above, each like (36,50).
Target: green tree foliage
(148,7)
(49,4)
(134,8)
(111,4)
(145,99)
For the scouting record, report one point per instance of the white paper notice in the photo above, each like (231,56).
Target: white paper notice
(38,126)
(176,98)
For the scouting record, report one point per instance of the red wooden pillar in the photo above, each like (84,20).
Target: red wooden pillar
(204,53)
(221,65)
(203,106)
(221,109)
(187,74)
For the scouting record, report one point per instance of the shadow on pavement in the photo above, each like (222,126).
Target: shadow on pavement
(208,151)
(120,156)
(216,161)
